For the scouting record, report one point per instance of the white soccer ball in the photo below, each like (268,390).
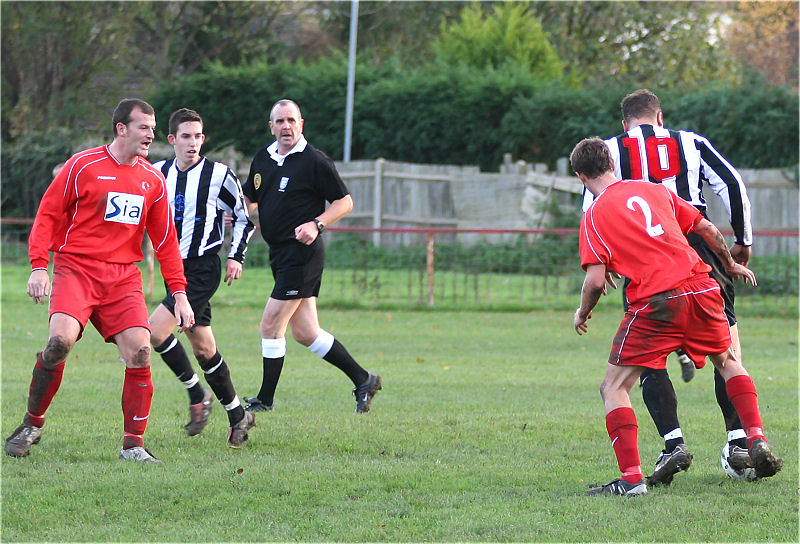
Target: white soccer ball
(744,474)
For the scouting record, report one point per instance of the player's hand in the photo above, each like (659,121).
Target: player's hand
(610,277)
(39,285)
(741,254)
(738,271)
(233,271)
(184,314)
(579,321)
(306,233)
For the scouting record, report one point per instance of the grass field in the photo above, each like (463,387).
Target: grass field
(489,428)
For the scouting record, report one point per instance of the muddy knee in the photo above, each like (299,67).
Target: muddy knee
(55,352)
(141,358)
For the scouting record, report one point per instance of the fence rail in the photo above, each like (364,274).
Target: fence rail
(447,267)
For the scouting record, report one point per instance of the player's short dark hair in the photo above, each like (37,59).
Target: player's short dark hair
(640,103)
(284,102)
(183,115)
(122,113)
(591,158)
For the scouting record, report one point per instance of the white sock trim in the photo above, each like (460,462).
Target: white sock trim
(234,403)
(215,367)
(169,347)
(272,348)
(674,433)
(323,343)
(736,434)
(191,382)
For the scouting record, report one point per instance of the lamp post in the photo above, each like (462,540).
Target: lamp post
(351,79)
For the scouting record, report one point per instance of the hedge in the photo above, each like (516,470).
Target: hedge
(442,114)
(437,114)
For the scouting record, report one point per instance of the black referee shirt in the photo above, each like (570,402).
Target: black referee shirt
(293,192)
(199,197)
(682,161)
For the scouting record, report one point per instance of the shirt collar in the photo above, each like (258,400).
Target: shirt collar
(299,147)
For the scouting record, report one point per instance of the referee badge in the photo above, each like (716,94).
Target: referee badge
(257,181)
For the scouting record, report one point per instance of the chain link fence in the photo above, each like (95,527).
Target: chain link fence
(450,269)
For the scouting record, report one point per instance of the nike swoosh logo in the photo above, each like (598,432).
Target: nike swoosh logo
(136,418)
(612,442)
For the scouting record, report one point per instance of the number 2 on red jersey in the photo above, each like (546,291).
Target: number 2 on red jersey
(652,230)
(663,157)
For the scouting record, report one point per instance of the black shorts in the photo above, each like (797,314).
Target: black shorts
(203,275)
(297,269)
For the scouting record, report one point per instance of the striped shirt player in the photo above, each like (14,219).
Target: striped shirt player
(684,162)
(201,192)
(200,196)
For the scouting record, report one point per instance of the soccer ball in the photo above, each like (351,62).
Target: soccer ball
(748,474)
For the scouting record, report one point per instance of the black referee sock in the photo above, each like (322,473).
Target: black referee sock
(218,377)
(662,403)
(269,381)
(174,355)
(339,357)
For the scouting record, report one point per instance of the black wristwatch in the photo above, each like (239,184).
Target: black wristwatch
(320,225)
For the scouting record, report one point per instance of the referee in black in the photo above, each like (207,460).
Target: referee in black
(684,161)
(289,183)
(201,192)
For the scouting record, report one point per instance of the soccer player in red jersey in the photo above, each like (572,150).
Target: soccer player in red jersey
(636,229)
(93,218)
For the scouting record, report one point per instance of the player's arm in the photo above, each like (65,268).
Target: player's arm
(161,229)
(727,183)
(57,197)
(594,285)
(716,241)
(308,232)
(232,201)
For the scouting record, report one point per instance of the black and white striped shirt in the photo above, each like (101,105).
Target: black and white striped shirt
(199,198)
(682,161)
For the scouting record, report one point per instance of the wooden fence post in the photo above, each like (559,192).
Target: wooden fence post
(377,204)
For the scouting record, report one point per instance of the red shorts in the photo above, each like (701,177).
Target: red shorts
(108,294)
(691,317)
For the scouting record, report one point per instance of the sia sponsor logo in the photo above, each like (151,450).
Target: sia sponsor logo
(124,208)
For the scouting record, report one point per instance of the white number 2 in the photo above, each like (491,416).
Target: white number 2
(652,230)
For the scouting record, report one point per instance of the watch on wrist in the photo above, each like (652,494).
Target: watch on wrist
(320,225)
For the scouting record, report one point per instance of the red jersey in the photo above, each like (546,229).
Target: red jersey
(99,208)
(637,229)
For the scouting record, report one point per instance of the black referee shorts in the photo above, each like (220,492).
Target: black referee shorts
(297,269)
(203,275)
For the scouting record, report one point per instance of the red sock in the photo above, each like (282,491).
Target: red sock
(137,395)
(44,385)
(742,392)
(623,432)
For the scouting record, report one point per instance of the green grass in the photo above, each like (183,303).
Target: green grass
(489,428)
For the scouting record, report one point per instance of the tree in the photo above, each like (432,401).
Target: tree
(389,31)
(62,59)
(508,35)
(55,56)
(655,44)
(763,36)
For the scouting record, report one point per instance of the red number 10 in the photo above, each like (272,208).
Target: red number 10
(663,157)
